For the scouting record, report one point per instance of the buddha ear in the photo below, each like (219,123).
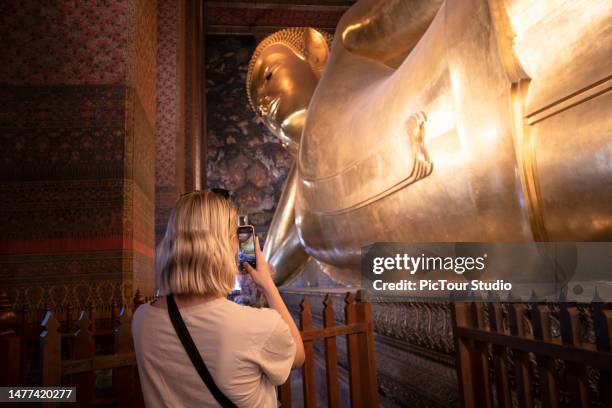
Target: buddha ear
(316,49)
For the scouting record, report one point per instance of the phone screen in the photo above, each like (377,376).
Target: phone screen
(246,253)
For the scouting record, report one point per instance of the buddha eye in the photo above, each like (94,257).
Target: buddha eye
(268,76)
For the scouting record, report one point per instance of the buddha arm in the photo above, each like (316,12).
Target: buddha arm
(386,30)
(283,249)
(283,219)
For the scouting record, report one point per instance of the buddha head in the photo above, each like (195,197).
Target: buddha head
(283,74)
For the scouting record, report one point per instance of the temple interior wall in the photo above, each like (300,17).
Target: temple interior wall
(243,156)
(78,121)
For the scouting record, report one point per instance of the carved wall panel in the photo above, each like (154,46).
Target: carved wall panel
(414,347)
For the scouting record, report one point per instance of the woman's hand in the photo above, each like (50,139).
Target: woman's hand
(262,275)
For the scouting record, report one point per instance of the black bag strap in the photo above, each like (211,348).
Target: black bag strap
(194,354)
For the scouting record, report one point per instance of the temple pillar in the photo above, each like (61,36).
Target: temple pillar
(77,112)
(181,136)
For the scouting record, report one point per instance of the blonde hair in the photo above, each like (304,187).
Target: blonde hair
(195,256)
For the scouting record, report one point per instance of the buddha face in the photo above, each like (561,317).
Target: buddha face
(282,84)
(281,88)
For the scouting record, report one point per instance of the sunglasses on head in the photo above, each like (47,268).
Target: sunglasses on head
(219,191)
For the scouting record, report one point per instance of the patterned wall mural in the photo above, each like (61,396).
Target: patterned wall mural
(63,42)
(225,14)
(168,154)
(77,120)
(167,93)
(243,156)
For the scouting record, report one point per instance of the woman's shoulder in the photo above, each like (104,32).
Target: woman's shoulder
(143,311)
(140,317)
(255,323)
(263,315)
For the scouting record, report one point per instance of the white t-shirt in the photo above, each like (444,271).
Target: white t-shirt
(248,352)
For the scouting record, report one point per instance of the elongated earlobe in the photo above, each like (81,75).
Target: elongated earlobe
(317,49)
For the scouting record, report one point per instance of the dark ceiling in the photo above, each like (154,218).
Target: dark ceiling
(263,17)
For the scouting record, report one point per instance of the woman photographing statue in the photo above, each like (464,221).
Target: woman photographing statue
(196,348)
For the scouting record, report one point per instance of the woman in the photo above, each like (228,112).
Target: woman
(247,351)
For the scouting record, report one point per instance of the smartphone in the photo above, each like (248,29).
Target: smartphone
(246,251)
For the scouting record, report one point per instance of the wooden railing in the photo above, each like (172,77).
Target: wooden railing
(360,348)
(81,366)
(10,344)
(66,352)
(511,355)
(76,345)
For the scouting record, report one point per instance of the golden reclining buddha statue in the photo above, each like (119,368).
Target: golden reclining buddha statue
(428,120)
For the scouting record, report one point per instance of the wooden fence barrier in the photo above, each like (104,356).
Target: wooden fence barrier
(78,353)
(78,363)
(74,351)
(508,355)
(360,344)
(9,344)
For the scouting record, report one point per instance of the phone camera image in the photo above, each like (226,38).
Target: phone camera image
(246,253)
